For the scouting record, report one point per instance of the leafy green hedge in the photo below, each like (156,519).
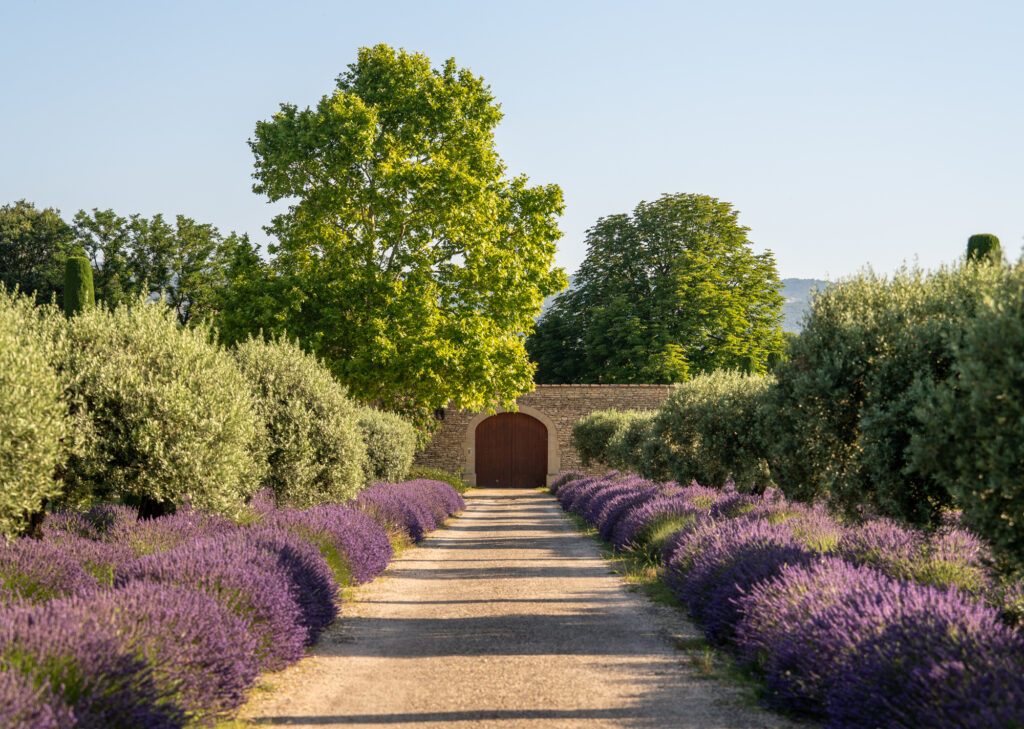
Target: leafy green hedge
(390,442)
(971,442)
(313,441)
(590,435)
(33,413)
(847,403)
(163,415)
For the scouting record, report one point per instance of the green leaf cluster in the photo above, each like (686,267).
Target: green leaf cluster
(712,428)
(407,259)
(312,437)
(970,440)
(33,413)
(163,417)
(33,247)
(669,291)
(592,433)
(390,444)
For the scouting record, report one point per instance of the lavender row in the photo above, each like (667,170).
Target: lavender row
(115,621)
(855,625)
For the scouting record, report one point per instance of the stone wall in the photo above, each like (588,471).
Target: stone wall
(557,406)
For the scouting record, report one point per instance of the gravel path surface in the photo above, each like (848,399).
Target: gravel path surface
(507,618)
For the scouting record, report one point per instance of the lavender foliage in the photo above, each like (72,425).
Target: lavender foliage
(94,671)
(24,705)
(940,661)
(717,561)
(415,507)
(251,582)
(354,544)
(35,571)
(199,650)
(311,579)
(564,478)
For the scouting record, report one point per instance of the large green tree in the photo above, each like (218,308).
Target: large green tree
(671,290)
(407,260)
(33,247)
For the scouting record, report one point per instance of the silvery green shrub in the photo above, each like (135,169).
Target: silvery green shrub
(625,448)
(33,414)
(711,428)
(971,438)
(313,442)
(590,435)
(164,417)
(847,403)
(390,444)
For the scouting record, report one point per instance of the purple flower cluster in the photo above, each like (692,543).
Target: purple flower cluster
(354,544)
(115,621)
(858,625)
(411,507)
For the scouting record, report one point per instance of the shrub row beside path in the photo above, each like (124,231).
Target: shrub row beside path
(507,618)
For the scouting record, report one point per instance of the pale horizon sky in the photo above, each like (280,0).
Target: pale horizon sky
(845,134)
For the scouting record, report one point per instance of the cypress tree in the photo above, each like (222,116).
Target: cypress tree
(984,247)
(78,289)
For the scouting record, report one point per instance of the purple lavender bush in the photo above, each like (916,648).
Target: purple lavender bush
(90,669)
(414,507)
(780,628)
(940,661)
(564,478)
(35,571)
(312,583)
(200,652)
(618,506)
(713,564)
(353,543)
(593,508)
(851,645)
(27,706)
(683,504)
(950,557)
(250,581)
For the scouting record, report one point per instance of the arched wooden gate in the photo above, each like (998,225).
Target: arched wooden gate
(511,451)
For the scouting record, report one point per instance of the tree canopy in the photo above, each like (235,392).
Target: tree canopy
(407,260)
(671,290)
(33,247)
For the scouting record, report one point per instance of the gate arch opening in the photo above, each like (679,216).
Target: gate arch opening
(511,450)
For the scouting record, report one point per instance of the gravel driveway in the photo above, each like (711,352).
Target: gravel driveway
(507,618)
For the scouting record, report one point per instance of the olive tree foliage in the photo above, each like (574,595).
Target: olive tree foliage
(672,290)
(390,444)
(712,430)
(33,412)
(592,433)
(314,444)
(407,259)
(34,244)
(163,417)
(969,440)
(847,406)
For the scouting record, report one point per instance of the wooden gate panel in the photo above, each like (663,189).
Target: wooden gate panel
(511,452)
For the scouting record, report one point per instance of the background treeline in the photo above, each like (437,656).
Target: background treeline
(903,396)
(189,263)
(128,404)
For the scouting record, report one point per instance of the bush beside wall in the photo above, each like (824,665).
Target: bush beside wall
(312,438)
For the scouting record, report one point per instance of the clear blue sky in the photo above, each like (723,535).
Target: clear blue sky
(846,133)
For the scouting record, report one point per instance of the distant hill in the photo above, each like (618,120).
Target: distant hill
(797,292)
